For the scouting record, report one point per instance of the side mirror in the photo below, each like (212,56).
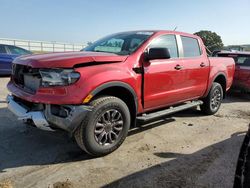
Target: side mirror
(158,53)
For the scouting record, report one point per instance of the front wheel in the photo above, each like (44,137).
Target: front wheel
(213,101)
(105,127)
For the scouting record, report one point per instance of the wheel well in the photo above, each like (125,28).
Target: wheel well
(125,95)
(222,81)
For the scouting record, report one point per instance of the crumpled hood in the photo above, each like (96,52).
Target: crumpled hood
(67,59)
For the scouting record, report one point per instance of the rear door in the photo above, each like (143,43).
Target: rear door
(196,67)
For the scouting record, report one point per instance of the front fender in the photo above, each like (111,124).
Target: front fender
(95,79)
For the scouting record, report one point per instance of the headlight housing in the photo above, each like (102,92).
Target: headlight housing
(58,77)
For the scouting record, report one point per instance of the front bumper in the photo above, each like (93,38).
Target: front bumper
(45,119)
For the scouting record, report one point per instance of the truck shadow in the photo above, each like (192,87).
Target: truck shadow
(140,127)
(236,96)
(193,112)
(25,146)
(22,145)
(184,170)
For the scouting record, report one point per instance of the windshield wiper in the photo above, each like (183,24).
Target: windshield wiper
(103,51)
(117,53)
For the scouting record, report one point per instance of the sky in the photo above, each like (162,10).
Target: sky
(80,21)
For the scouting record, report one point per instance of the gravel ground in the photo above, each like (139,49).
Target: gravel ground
(184,150)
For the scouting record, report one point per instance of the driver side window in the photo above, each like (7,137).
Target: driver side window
(166,41)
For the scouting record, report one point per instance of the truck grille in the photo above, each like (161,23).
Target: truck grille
(26,77)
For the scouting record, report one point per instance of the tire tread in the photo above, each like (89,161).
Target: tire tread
(205,108)
(79,131)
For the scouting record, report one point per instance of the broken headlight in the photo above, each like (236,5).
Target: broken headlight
(58,77)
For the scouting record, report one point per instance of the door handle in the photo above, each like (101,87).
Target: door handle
(178,67)
(202,64)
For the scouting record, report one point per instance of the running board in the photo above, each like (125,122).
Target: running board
(171,110)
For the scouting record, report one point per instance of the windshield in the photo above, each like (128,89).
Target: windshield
(121,43)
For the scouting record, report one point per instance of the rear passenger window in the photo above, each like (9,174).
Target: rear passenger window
(2,50)
(166,41)
(191,47)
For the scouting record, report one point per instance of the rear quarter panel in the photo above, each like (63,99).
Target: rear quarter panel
(221,66)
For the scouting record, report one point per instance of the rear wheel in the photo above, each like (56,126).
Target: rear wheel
(213,101)
(105,127)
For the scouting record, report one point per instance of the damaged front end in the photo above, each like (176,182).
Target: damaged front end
(48,117)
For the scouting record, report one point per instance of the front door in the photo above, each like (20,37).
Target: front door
(164,78)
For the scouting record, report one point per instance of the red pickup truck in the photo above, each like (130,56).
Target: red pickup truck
(99,93)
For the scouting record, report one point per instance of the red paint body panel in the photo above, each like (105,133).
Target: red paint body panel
(67,59)
(163,85)
(221,66)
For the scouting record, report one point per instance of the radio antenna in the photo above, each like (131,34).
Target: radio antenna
(175,28)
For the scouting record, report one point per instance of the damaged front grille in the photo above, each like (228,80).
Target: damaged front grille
(31,106)
(26,77)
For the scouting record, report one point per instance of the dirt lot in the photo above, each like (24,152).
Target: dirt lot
(185,150)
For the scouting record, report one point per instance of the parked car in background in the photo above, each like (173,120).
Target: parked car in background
(7,54)
(99,93)
(242,69)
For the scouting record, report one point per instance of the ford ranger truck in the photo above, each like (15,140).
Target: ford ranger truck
(97,94)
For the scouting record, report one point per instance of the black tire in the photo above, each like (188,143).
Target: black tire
(100,126)
(213,100)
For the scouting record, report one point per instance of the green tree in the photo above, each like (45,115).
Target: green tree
(211,40)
